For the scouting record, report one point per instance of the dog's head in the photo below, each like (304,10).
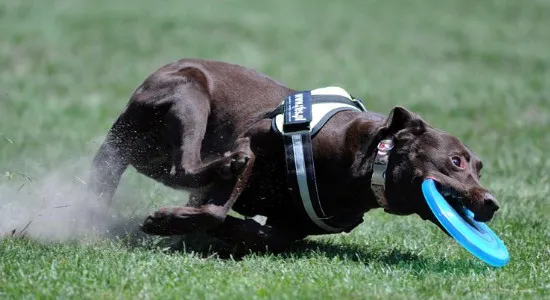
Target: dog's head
(422,152)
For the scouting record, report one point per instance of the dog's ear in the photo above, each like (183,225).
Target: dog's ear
(401,124)
(400,119)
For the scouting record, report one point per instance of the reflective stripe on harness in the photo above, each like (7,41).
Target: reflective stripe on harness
(301,118)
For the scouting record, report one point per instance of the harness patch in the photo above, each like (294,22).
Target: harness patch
(297,112)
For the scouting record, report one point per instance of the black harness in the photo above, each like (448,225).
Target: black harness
(299,118)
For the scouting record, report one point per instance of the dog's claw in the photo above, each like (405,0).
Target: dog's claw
(237,164)
(234,165)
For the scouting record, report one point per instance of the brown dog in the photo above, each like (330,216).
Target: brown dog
(203,126)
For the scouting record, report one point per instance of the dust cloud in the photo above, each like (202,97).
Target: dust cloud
(56,206)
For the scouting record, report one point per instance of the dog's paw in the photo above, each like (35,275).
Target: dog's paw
(233,165)
(157,223)
(179,220)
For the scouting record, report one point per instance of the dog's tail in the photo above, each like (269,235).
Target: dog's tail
(110,162)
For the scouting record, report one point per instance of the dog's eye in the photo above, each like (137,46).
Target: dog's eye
(457,161)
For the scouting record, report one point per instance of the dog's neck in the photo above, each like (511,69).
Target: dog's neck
(380,165)
(371,150)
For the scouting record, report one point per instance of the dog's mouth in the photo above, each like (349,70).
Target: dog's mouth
(455,199)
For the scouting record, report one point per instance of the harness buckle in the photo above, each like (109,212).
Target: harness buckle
(359,103)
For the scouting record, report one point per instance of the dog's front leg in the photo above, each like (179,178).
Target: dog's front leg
(181,220)
(249,235)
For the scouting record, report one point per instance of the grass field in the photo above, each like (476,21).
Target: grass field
(478,69)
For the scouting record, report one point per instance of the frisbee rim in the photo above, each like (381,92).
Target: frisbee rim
(480,240)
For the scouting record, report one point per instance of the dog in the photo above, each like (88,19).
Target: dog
(205,126)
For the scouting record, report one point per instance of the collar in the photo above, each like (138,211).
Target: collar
(378,180)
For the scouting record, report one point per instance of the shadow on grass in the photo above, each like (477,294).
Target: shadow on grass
(392,257)
(202,245)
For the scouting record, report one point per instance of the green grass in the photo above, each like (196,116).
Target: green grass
(478,69)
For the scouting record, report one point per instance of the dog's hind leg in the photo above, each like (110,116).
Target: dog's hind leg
(187,119)
(110,162)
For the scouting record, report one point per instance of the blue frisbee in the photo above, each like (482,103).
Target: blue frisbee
(476,237)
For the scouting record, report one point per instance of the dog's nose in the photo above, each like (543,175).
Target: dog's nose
(491,202)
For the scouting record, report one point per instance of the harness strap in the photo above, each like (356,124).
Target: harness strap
(322,99)
(297,135)
(300,168)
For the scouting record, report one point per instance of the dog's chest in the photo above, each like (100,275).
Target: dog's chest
(266,192)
